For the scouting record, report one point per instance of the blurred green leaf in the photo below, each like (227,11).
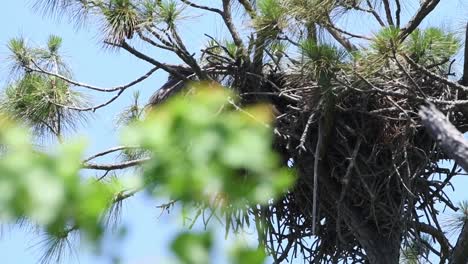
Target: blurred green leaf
(46,188)
(193,248)
(243,255)
(207,148)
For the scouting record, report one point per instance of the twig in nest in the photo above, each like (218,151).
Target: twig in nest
(301,145)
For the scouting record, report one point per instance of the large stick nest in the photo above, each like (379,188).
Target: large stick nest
(378,171)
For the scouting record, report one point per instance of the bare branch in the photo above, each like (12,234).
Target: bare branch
(168,68)
(103,153)
(398,13)
(115,166)
(341,39)
(154,43)
(227,17)
(248,7)
(388,12)
(445,246)
(84,85)
(449,138)
(330,24)
(425,9)
(92,108)
(435,76)
(464,79)
(374,13)
(207,8)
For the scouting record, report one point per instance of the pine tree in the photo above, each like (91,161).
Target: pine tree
(346,113)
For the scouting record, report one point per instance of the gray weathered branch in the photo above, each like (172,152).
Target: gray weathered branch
(450,139)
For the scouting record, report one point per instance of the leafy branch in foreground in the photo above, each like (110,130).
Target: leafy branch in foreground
(46,189)
(196,157)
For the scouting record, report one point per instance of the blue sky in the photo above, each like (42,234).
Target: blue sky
(148,232)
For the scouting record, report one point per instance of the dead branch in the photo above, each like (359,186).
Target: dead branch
(449,138)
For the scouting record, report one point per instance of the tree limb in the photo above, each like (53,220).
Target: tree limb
(116,166)
(140,55)
(227,17)
(449,138)
(425,9)
(105,152)
(248,7)
(92,87)
(207,8)
(341,39)
(388,12)
(438,235)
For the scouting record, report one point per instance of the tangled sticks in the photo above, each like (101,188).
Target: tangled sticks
(370,178)
(379,172)
(361,150)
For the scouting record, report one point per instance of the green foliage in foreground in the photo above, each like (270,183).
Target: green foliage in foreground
(201,148)
(46,188)
(199,152)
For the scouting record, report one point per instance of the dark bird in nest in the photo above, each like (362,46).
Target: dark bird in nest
(173,85)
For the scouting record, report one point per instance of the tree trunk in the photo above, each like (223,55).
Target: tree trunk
(378,249)
(382,251)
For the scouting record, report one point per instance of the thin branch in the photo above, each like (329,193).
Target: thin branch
(438,235)
(92,108)
(349,33)
(341,39)
(398,13)
(305,133)
(113,89)
(425,9)
(388,12)
(227,17)
(435,76)
(318,153)
(346,183)
(168,68)
(155,44)
(105,152)
(186,56)
(249,8)
(115,166)
(207,8)
(464,79)
(374,13)
(155,34)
